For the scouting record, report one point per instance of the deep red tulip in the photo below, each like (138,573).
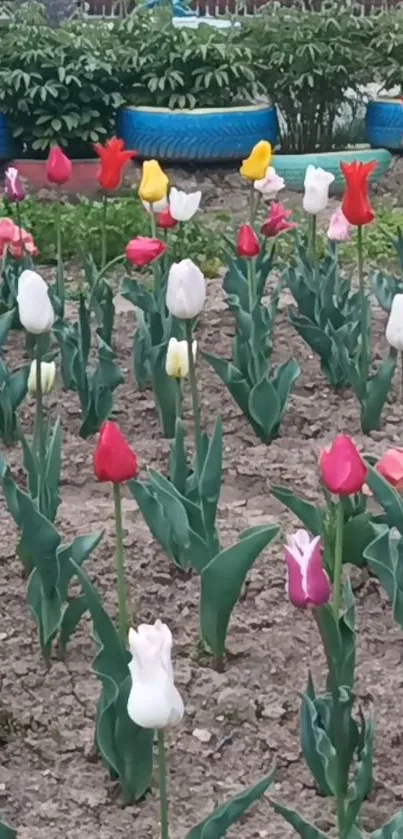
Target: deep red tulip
(248,243)
(342,467)
(58,166)
(142,250)
(165,220)
(390,466)
(113,458)
(356,206)
(113,157)
(276,221)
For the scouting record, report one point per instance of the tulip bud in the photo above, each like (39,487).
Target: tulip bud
(142,250)
(394,329)
(13,185)
(343,470)
(114,460)
(186,290)
(255,166)
(307,581)
(48,376)
(165,221)
(177,360)
(183,205)
(58,167)
(339,228)
(154,182)
(271,184)
(390,466)
(316,185)
(248,244)
(35,310)
(277,221)
(154,701)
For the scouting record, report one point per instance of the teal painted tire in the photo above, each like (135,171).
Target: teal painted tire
(292,167)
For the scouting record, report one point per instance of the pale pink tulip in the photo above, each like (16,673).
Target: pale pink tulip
(339,229)
(271,184)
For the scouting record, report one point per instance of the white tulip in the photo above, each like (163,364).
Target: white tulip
(34,307)
(154,701)
(316,185)
(48,376)
(186,290)
(177,360)
(157,206)
(183,205)
(394,329)
(271,184)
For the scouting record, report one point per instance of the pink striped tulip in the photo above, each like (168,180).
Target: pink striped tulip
(307,581)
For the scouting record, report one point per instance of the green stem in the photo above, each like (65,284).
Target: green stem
(156,267)
(19,225)
(340,815)
(312,242)
(178,399)
(100,275)
(251,283)
(195,397)
(162,775)
(60,271)
(39,430)
(252,202)
(338,560)
(364,360)
(120,566)
(103,231)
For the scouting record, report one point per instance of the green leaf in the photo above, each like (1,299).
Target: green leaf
(389,499)
(70,619)
(358,532)
(385,559)
(211,477)
(362,783)
(221,584)
(305,829)
(7,832)
(318,749)
(348,638)
(6,322)
(377,392)
(216,825)
(391,830)
(309,514)
(264,407)
(178,465)
(153,513)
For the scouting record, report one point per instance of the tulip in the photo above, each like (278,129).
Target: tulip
(16,240)
(276,221)
(270,184)
(58,167)
(390,466)
(339,227)
(394,329)
(177,360)
(343,470)
(307,581)
(356,205)
(154,182)
(13,185)
(142,250)
(247,243)
(114,460)
(255,166)
(157,206)
(48,376)
(316,189)
(154,701)
(113,157)
(186,290)
(34,307)
(165,220)
(183,205)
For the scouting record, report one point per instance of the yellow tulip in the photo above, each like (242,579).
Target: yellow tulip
(255,166)
(154,182)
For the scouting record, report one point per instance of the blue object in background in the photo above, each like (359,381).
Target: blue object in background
(5,139)
(384,123)
(179,9)
(204,134)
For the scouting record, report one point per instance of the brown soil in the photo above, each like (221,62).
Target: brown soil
(50,785)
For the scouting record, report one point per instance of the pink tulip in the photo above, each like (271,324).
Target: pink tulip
(343,470)
(276,221)
(307,581)
(390,466)
(339,229)
(13,185)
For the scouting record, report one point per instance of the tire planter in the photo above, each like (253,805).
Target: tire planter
(292,167)
(5,139)
(204,135)
(384,123)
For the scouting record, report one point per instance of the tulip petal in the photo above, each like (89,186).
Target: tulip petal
(295,587)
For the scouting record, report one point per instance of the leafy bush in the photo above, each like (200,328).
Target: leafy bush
(387,46)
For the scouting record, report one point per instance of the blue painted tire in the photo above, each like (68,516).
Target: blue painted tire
(5,139)
(292,167)
(384,123)
(203,135)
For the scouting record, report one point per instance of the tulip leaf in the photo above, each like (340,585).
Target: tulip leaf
(391,830)
(389,499)
(211,478)
(385,559)
(264,407)
(216,825)
(13,389)
(317,747)
(71,617)
(126,749)
(233,378)
(311,516)
(362,783)
(6,322)
(165,394)
(153,513)
(358,532)
(377,392)
(221,584)
(7,832)
(178,464)
(138,294)
(305,829)
(172,506)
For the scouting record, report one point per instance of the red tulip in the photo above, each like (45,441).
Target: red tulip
(355,205)
(307,581)
(114,158)
(248,243)
(276,221)
(342,467)
(142,250)
(58,166)
(390,466)
(165,220)
(113,458)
